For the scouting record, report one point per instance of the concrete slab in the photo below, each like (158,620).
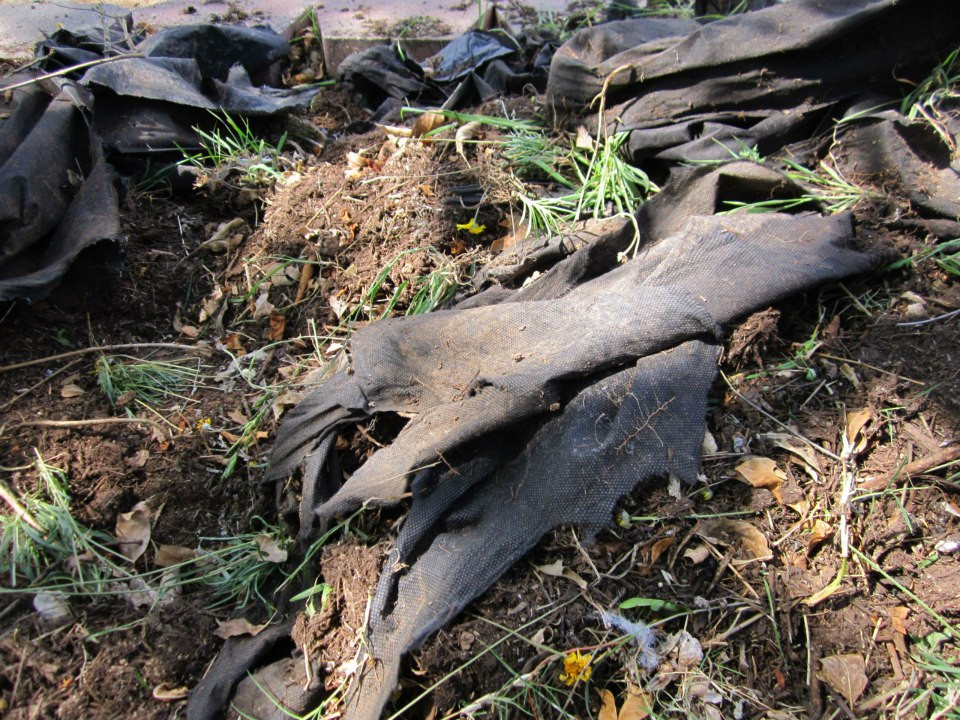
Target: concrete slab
(347,25)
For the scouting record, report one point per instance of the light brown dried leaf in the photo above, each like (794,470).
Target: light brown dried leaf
(657,548)
(846,674)
(637,705)
(696,554)
(133,531)
(856,419)
(278,325)
(71,390)
(464,133)
(761,472)
(750,543)
(608,706)
(898,617)
(427,122)
(270,548)
(237,626)
(819,531)
(164,692)
(168,555)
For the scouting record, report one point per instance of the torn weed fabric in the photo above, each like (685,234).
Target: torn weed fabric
(761,79)
(57,196)
(541,408)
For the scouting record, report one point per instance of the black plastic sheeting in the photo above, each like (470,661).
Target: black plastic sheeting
(762,79)
(542,406)
(57,194)
(472,68)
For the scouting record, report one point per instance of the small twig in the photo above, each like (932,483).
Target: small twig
(871,367)
(917,467)
(94,421)
(67,70)
(945,316)
(10,499)
(820,448)
(102,348)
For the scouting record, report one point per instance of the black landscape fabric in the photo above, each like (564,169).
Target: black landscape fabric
(57,194)
(542,406)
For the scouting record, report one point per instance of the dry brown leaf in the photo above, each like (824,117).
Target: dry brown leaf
(846,674)
(278,325)
(584,140)
(139,458)
(262,307)
(898,617)
(819,531)
(798,448)
(234,344)
(696,554)
(397,131)
(761,472)
(856,419)
(306,275)
(224,237)
(230,437)
(556,569)
(71,390)
(657,548)
(164,692)
(427,122)
(427,190)
(270,548)
(168,555)
(608,706)
(133,531)
(236,627)
(238,417)
(750,543)
(637,706)
(189,330)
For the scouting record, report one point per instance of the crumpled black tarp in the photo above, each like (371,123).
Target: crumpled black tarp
(542,406)
(474,67)
(57,196)
(688,92)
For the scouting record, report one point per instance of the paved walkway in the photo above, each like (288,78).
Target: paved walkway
(346,24)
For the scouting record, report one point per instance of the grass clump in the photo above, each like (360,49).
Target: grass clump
(41,542)
(232,149)
(926,102)
(123,379)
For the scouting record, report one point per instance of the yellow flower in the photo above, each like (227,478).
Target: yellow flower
(576,667)
(471,227)
(204,424)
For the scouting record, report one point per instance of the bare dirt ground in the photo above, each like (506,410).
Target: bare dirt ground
(818,578)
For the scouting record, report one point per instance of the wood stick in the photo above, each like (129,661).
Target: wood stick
(917,467)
